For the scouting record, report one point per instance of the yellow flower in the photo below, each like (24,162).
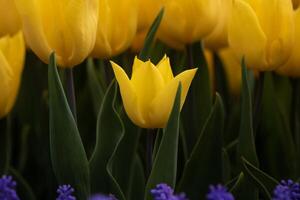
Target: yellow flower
(187,21)
(10,22)
(67,27)
(292,67)
(149,95)
(218,38)
(117,27)
(262,31)
(12,54)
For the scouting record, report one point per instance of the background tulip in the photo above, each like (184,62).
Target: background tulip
(12,55)
(117,27)
(10,22)
(66,27)
(218,38)
(262,31)
(187,21)
(149,95)
(292,67)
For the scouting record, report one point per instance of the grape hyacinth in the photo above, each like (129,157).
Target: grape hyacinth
(219,192)
(65,193)
(287,190)
(102,197)
(164,192)
(8,188)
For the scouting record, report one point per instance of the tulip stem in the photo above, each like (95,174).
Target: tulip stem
(149,150)
(258,101)
(70,91)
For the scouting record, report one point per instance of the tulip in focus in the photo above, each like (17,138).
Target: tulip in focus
(67,27)
(116,28)
(12,55)
(149,95)
(262,32)
(218,38)
(10,22)
(292,67)
(187,21)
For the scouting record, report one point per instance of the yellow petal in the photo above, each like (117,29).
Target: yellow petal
(137,63)
(165,69)
(10,22)
(147,82)
(129,96)
(162,104)
(246,37)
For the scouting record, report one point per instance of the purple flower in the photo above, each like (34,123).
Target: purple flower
(8,188)
(287,190)
(65,193)
(164,192)
(102,197)
(219,192)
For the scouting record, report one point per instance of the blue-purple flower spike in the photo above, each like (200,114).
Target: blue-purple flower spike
(219,192)
(287,190)
(164,192)
(102,197)
(65,192)
(8,188)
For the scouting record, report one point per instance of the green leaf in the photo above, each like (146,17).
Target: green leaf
(5,144)
(69,161)
(164,167)
(201,170)
(145,52)
(110,131)
(23,189)
(262,180)
(246,145)
(199,100)
(97,92)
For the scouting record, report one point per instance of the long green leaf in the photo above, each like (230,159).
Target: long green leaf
(110,131)
(68,156)
(201,170)
(165,163)
(145,52)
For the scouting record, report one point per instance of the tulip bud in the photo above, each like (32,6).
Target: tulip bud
(117,27)
(292,67)
(12,55)
(149,95)
(262,32)
(67,27)
(187,21)
(10,22)
(218,38)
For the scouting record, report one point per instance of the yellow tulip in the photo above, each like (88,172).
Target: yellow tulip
(10,22)
(117,27)
(292,67)
(187,21)
(149,95)
(12,55)
(218,38)
(262,31)
(65,26)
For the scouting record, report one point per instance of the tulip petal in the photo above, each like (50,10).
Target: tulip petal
(137,63)
(10,22)
(245,35)
(162,104)
(147,82)
(129,96)
(165,69)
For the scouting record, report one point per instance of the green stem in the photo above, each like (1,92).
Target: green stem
(70,91)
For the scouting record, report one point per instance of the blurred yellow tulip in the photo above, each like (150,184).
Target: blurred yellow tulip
(292,67)
(218,38)
(116,28)
(67,27)
(187,21)
(148,10)
(262,31)
(10,22)
(149,95)
(12,55)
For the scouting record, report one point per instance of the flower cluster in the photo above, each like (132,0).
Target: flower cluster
(8,188)
(164,192)
(219,192)
(287,190)
(102,197)
(65,192)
